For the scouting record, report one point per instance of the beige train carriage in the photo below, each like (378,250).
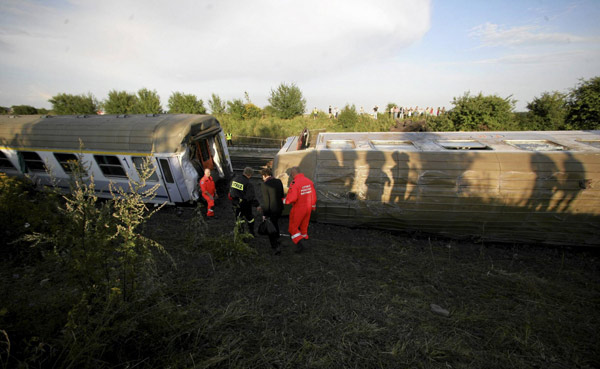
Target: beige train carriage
(179,146)
(540,187)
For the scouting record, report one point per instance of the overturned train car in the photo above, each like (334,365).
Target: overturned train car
(113,148)
(540,187)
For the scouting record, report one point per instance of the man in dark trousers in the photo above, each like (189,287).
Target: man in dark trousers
(303,197)
(272,204)
(241,194)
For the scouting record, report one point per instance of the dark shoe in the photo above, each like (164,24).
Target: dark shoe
(277,251)
(299,247)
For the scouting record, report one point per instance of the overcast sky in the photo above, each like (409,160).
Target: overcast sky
(362,52)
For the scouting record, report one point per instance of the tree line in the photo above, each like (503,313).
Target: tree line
(577,109)
(286,102)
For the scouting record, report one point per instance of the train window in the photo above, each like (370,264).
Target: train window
(5,162)
(594,143)
(463,145)
(393,144)
(33,161)
(110,166)
(139,164)
(537,145)
(164,164)
(340,144)
(66,160)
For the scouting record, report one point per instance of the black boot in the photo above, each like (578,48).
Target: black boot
(299,247)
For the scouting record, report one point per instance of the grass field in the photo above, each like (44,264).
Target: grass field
(362,299)
(356,298)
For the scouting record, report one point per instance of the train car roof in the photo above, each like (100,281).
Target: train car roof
(491,141)
(159,133)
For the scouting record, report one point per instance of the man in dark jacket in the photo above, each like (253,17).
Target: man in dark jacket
(272,204)
(243,198)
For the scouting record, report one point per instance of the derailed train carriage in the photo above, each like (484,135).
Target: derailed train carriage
(113,149)
(540,187)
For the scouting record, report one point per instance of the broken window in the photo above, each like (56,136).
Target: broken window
(536,145)
(393,145)
(340,144)
(463,145)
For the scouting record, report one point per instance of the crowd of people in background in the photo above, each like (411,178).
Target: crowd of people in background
(394,112)
(407,112)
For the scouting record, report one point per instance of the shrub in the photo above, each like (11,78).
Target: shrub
(547,112)
(24,110)
(584,105)
(74,104)
(348,117)
(441,123)
(251,111)
(287,101)
(236,109)
(120,102)
(482,113)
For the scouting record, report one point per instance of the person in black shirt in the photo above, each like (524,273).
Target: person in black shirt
(272,204)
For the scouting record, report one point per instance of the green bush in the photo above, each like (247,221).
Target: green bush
(348,118)
(74,104)
(251,111)
(441,123)
(287,101)
(584,105)
(24,110)
(482,113)
(235,108)
(24,209)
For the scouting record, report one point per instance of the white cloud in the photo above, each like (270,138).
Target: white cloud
(165,45)
(495,35)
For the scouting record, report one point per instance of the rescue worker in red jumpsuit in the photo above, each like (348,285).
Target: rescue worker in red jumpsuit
(303,198)
(209,193)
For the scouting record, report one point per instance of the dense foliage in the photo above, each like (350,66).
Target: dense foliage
(67,104)
(216,105)
(148,102)
(78,279)
(180,103)
(287,101)
(24,109)
(577,109)
(348,117)
(547,112)
(481,113)
(584,105)
(235,108)
(120,102)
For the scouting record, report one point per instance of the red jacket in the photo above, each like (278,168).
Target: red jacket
(207,185)
(302,193)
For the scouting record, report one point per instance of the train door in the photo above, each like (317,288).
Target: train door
(169,180)
(203,154)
